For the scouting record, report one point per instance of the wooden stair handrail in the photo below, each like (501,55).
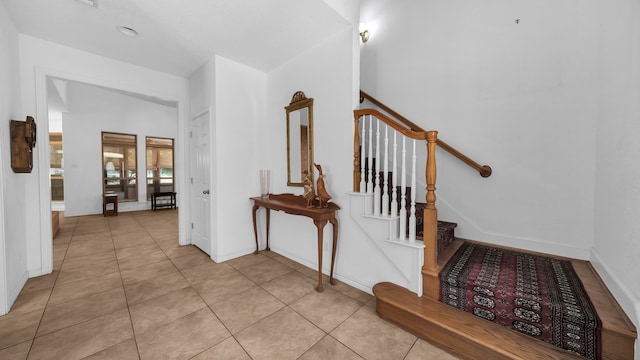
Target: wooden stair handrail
(484,170)
(418,135)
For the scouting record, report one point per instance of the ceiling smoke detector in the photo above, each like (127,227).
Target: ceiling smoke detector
(92,3)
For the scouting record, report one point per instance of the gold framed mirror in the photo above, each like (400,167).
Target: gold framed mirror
(299,139)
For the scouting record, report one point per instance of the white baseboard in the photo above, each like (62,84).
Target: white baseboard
(354,283)
(35,272)
(326,271)
(536,245)
(627,300)
(13,293)
(237,254)
(468,229)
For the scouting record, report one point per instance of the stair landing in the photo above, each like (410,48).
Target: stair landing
(471,337)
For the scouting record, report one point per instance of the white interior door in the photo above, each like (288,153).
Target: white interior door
(201,183)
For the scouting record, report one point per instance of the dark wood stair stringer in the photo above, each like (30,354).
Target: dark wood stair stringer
(471,337)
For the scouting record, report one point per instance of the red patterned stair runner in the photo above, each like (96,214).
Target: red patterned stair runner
(536,295)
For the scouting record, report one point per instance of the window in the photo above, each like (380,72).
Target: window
(159,165)
(56,171)
(119,165)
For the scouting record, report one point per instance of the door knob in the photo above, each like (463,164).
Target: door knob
(206,192)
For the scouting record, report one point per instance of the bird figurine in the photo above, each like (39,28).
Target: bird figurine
(323,195)
(309,192)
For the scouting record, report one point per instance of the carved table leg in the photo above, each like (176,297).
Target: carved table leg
(255,229)
(268,222)
(320,225)
(334,222)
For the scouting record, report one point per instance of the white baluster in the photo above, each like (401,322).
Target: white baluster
(370,179)
(403,194)
(363,141)
(394,177)
(412,214)
(376,189)
(385,176)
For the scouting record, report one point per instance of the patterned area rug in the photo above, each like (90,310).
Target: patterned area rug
(535,295)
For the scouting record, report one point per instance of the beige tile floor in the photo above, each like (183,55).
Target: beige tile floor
(122,288)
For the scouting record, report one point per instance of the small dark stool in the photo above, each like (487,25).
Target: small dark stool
(110,198)
(167,194)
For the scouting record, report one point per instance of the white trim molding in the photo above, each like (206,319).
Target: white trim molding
(629,302)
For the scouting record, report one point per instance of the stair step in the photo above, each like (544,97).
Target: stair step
(456,331)
(446,234)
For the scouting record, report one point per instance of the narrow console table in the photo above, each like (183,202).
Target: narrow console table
(297,205)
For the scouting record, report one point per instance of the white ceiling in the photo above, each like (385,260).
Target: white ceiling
(178,36)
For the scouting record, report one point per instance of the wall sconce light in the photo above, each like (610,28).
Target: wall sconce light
(109,166)
(364,36)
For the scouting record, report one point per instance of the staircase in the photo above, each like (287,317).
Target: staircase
(406,255)
(383,205)
(448,327)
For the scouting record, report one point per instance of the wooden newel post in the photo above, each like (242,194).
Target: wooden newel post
(432,137)
(431,287)
(356,153)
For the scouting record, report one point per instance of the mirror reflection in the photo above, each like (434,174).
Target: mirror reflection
(299,139)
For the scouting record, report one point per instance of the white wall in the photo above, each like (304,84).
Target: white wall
(13,216)
(92,110)
(519,96)
(55,121)
(236,95)
(325,73)
(201,89)
(40,59)
(617,193)
(544,92)
(241,97)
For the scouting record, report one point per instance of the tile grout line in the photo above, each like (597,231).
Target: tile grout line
(302,315)
(33,340)
(126,299)
(199,296)
(122,285)
(207,305)
(112,225)
(85,321)
(329,332)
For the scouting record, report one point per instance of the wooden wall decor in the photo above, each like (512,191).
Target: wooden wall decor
(23,140)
